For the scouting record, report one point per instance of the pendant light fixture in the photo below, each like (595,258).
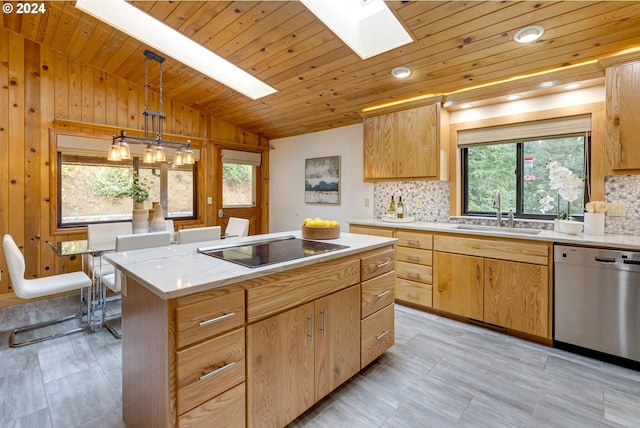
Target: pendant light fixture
(152,127)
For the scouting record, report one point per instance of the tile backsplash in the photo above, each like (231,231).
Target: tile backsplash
(429,201)
(623,189)
(425,200)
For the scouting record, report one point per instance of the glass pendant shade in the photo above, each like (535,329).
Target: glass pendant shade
(160,155)
(188,157)
(114,152)
(149,155)
(125,153)
(178,159)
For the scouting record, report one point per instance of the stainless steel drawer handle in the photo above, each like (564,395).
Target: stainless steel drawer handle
(214,320)
(383,264)
(382,335)
(384,293)
(413,274)
(412,257)
(413,241)
(413,293)
(218,370)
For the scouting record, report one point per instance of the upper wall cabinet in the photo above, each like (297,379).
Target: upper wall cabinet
(404,144)
(623,116)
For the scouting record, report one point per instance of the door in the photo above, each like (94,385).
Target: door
(239,187)
(458,284)
(516,296)
(280,367)
(337,339)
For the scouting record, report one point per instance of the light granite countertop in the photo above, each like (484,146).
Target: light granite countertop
(179,270)
(628,242)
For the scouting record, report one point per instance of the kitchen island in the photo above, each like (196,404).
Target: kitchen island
(207,342)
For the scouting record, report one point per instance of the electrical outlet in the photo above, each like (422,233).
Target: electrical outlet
(617,210)
(419,203)
(366,202)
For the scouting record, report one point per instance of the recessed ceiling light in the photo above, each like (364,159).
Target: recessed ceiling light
(368,27)
(513,97)
(572,86)
(401,72)
(528,34)
(137,24)
(465,105)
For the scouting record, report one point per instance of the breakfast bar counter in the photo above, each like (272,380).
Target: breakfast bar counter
(210,342)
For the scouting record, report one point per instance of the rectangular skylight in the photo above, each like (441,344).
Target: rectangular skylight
(368,27)
(137,24)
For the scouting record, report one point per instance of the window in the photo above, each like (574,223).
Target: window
(239,171)
(92,189)
(518,169)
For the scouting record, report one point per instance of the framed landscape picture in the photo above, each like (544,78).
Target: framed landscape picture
(322,180)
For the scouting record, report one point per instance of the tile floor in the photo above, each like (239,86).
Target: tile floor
(440,373)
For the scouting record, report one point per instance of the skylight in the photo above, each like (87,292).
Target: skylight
(139,25)
(368,27)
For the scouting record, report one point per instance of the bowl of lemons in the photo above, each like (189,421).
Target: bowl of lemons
(318,228)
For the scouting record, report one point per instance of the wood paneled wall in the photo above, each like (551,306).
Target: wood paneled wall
(42,89)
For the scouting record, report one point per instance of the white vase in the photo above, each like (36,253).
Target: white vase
(140,218)
(557,225)
(157,223)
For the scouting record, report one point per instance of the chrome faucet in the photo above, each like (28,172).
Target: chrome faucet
(496,206)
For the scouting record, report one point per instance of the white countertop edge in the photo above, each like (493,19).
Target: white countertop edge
(179,270)
(630,242)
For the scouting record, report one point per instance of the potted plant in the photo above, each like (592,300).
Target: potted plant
(139,191)
(569,187)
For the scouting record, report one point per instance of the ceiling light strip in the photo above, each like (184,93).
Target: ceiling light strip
(137,24)
(484,85)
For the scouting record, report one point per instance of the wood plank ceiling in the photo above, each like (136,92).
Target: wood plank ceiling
(321,83)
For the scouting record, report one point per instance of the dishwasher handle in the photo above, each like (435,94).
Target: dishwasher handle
(604,260)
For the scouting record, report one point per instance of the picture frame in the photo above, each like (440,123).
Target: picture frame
(322,180)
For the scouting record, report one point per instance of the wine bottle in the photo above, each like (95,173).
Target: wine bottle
(392,208)
(400,208)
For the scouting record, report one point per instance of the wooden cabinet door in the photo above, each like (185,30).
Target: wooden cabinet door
(623,110)
(417,138)
(458,284)
(380,147)
(516,296)
(280,367)
(337,339)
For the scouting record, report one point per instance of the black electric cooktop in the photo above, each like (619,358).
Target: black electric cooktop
(270,251)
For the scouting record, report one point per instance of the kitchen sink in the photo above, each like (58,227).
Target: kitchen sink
(515,230)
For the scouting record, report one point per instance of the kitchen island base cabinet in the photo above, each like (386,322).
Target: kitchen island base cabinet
(378,334)
(299,356)
(227,410)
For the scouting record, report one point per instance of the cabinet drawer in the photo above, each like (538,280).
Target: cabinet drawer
(377,264)
(377,293)
(414,292)
(414,272)
(209,317)
(414,255)
(377,335)
(227,410)
(209,368)
(414,239)
(371,230)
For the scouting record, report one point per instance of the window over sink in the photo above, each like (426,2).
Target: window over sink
(517,167)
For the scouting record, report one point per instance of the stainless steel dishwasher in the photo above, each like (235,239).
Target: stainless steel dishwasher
(597,300)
